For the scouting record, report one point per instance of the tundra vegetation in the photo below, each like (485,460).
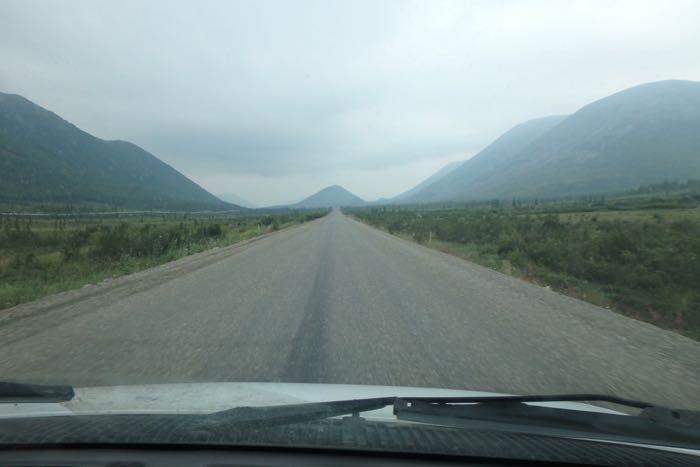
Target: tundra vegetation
(40,255)
(636,253)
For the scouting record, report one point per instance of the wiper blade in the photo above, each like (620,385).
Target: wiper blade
(500,413)
(259,417)
(534,398)
(655,423)
(18,392)
(298,413)
(280,414)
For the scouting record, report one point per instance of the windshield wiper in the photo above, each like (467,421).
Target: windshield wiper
(501,413)
(260,417)
(516,413)
(18,392)
(534,398)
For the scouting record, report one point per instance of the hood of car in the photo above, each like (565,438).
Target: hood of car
(213,397)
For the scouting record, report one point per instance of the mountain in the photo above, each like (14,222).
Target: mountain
(235,199)
(330,197)
(494,158)
(45,159)
(381,201)
(439,175)
(643,135)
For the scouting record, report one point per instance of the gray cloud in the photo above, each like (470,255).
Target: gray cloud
(275,99)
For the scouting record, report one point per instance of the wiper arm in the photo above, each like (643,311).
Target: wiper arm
(18,392)
(403,407)
(677,427)
(535,398)
(672,426)
(259,417)
(443,406)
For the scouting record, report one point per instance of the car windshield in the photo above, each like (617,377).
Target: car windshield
(205,204)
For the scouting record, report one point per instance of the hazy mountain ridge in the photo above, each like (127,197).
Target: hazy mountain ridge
(49,160)
(329,197)
(642,135)
(439,175)
(495,157)
(235,199)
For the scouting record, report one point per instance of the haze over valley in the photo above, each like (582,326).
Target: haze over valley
(274,104)
(639,136)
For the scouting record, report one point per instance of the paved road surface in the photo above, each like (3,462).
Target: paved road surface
(336,301)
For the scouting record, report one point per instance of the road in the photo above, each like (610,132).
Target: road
(336,301)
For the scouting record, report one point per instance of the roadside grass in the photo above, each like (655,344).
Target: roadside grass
(571,286)
(652,215)
(641,261)
(47,256)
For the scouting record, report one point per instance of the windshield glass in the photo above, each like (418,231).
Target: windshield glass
(485,197)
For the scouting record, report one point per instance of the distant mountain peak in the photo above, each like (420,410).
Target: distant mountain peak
(330,197)
(235,199)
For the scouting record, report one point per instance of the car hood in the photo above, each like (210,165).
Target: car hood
(203,398)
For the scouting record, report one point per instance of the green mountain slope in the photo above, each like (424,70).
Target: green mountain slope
(46,159)
(643,135)
(330,197)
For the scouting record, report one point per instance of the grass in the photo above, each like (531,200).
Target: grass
(581,289)
(43,256)
(653,215)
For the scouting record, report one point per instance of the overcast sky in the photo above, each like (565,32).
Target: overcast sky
(275,100)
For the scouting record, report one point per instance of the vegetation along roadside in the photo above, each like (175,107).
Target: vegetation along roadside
(44,255)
